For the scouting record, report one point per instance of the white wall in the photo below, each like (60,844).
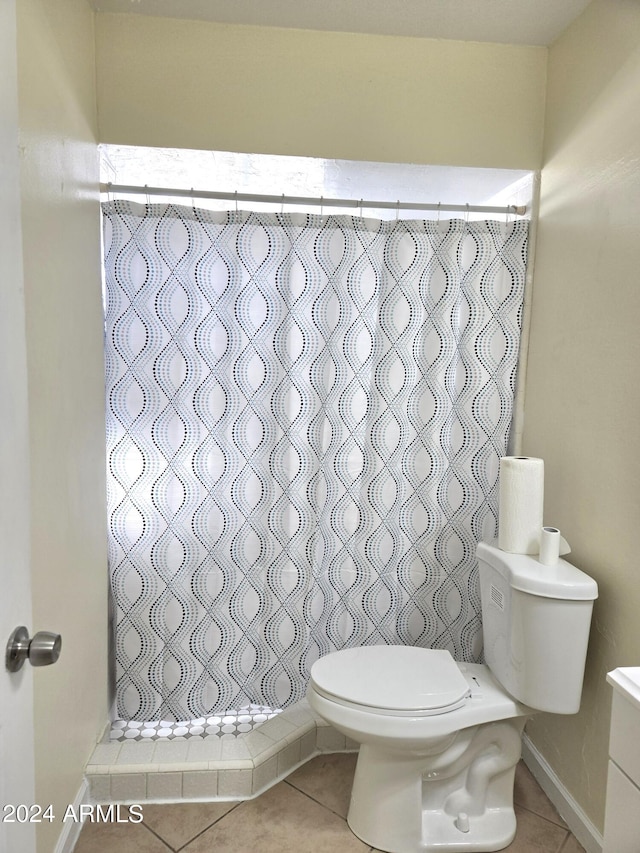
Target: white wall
(191,84)
(583,392)
(61,234)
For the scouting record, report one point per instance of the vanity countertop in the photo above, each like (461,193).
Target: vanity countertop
(626,679)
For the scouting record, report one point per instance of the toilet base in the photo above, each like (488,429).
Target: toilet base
(440,829)
(455,796)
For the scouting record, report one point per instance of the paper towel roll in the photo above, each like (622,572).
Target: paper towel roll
(521,504)
(549,546)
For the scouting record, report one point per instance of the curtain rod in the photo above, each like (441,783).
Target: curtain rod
(317,202)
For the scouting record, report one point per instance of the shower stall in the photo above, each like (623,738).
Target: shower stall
(305,418)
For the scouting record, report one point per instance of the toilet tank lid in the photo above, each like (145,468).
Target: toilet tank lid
(526,573)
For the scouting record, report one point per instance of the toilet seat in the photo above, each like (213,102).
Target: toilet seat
(394,680)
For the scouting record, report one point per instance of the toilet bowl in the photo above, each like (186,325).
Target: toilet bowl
(440,740)
(437,768)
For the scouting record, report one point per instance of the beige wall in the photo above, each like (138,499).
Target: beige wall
(188,84)
(583,394)
(61,234)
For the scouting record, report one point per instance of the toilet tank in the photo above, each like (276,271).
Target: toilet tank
(536,623)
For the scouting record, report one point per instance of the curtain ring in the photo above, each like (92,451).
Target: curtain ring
(146,189)
(236,201)
(397,209)
(193,202)
(439,208)
(282,204)
(466,215)
(110,194)
(510,208)
(361,203)
(321,205)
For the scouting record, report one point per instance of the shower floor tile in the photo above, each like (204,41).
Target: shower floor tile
(234,723)
(303,814)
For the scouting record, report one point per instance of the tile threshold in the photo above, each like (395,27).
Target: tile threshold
(211,768)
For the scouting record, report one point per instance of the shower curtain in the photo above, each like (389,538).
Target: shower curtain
(304,420)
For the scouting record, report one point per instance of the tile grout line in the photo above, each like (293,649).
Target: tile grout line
(543,817)
(162,841)
(313,799)
(206,829)
(565,843)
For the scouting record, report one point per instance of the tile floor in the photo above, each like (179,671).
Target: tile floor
(303,814)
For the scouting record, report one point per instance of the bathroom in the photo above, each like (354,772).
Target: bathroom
(76,78)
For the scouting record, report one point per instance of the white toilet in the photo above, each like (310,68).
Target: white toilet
(440,740)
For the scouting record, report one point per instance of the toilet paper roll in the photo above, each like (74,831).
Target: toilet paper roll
(549,546)
(553,545)
(521,504)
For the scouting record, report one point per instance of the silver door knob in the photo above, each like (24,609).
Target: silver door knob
(42,650)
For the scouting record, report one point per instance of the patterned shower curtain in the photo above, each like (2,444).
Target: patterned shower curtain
(305,417)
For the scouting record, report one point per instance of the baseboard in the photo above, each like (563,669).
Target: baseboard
(576,819)
(71,828)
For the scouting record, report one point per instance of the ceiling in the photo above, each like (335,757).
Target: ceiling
(530,22)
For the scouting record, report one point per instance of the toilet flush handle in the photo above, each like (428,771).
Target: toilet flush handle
(43,650)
